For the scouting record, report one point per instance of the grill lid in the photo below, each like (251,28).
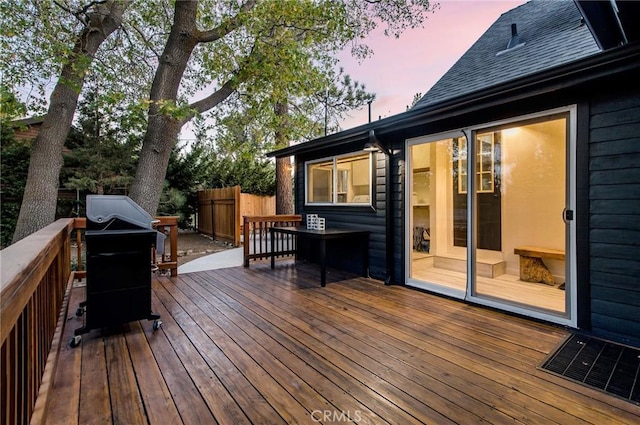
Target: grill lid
(103,208)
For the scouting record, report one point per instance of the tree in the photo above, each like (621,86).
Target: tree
(14,163)
(102,153)
(188,172)
(248,126)
(283,45)
(284,192)
(97,21)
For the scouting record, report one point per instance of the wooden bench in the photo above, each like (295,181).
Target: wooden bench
(532,268)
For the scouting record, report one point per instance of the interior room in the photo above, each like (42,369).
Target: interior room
(519,201)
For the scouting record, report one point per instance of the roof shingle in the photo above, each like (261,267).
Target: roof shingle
(552,32)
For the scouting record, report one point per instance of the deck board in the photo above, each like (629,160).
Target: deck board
(155,393)
(263,346)
(65,389)
(95,406)
(389,345)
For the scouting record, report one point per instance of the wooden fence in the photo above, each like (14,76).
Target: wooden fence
(220,212)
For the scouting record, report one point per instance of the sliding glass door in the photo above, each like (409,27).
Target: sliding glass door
(492,220)
(437,261)
(525,168)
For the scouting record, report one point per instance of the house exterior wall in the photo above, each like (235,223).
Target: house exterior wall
(28,133)
(614,214)
(607,192)
(608,195)
(370,218)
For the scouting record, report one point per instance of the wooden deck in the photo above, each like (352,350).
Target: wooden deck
(262,346)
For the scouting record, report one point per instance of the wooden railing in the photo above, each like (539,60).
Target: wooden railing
(169,258)
(256,242)
(35,273)
(34,291)
(167,261)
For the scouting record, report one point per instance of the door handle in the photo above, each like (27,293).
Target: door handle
(567,215)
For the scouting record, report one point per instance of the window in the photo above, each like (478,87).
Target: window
(343,180)
(484,164)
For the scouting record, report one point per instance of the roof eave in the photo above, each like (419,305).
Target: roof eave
(593,67)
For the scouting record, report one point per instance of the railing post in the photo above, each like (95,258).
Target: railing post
(172,223)
(245,240)
(173,244)
(79,225)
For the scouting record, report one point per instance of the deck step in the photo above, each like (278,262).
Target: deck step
(484,268)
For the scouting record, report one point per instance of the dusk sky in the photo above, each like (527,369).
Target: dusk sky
(412,64)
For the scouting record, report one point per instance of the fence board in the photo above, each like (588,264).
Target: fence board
(220,212)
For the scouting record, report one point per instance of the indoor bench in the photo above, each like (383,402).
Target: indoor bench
(532,268)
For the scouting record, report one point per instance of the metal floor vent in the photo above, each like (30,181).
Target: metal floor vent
(610,367)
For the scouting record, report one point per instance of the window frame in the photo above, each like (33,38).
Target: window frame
(481,140)
(335,177)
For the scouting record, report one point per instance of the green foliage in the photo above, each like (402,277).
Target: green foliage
(37,37)
(14,165)
(74,264)
(275,52)
(186,174)
(237,157)
(11,108)
(252,175)
(202,167)
(102,150)
(173,202)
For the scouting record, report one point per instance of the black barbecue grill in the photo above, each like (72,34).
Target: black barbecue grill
(119,241)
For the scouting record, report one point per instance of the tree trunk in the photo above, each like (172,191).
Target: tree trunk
(284,186)
(284,183)
(163,129)
(38,207)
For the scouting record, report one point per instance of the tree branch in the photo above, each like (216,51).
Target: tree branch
(212,100)
(90,5)
(227,26)
(148,43)
(80,13)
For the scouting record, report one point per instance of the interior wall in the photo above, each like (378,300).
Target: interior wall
(421,159)
(440,213)
(533,173)
(533,163)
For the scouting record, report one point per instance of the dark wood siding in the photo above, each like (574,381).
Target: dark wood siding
(398,209)
(361,218)
(614,222)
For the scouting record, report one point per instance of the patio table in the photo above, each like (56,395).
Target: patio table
(360,236)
